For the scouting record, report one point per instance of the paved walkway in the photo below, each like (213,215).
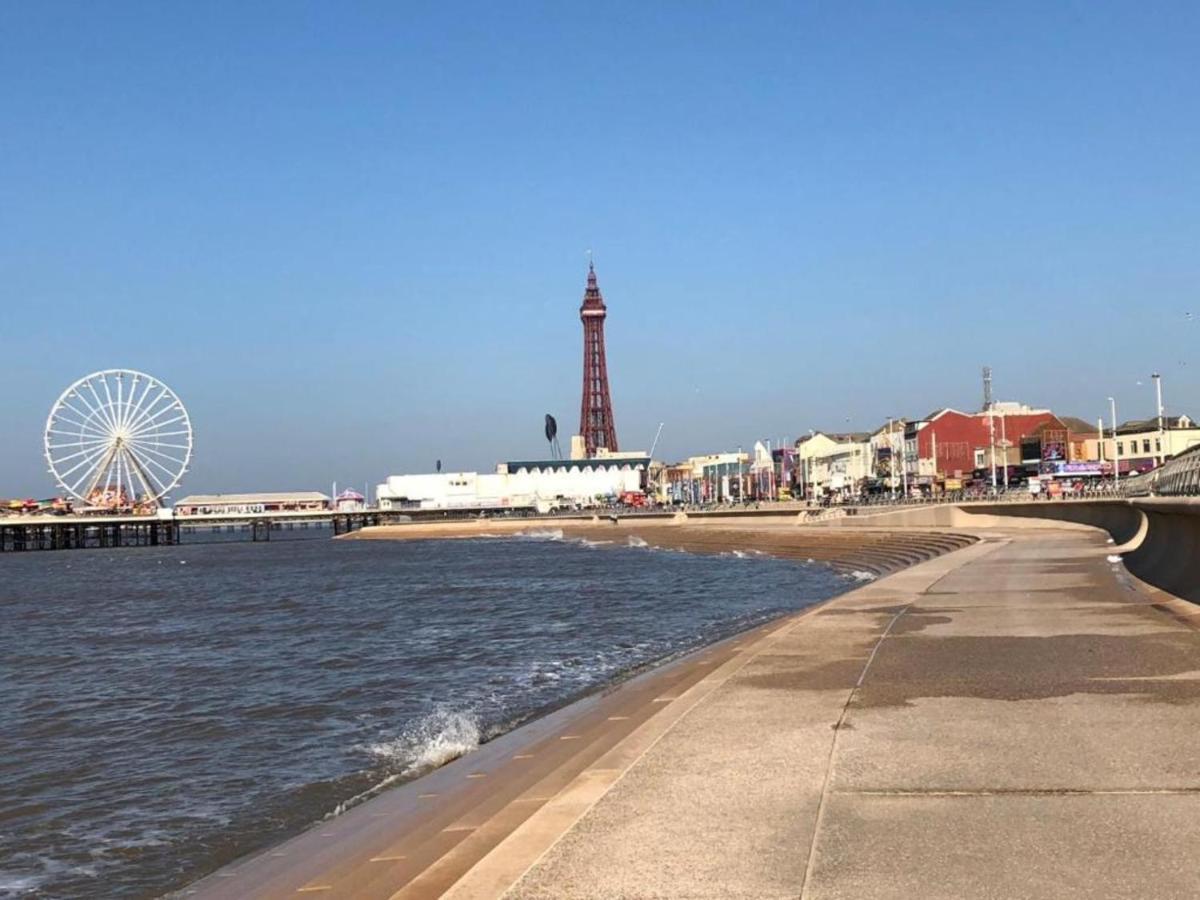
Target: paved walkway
(1015,719)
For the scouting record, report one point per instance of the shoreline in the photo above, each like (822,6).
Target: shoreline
(456,783)
(876,550)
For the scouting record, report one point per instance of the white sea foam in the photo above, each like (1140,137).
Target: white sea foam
(542,534)
(860,575)
(635,541)
(433,740)
(592,545)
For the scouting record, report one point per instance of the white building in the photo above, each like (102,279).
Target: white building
(241,504)
(834,463)
(524,484)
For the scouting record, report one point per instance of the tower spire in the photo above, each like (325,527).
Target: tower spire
(595,413)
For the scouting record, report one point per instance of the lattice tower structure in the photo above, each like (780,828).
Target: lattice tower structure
(595,412)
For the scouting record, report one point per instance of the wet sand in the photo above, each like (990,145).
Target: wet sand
(872,551)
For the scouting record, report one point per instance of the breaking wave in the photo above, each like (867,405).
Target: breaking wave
(541,534)
(431,741)
(635,541)
(591,545)
(860,575)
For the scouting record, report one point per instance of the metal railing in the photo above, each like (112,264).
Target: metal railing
(1179,476)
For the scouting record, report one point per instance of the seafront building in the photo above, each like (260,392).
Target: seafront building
(949,450)
(241,504)
(1140,445)
(541,485)
(951,446)
(834,464)
(709,478)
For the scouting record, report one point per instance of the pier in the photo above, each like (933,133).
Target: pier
(79,532)
(1012,718)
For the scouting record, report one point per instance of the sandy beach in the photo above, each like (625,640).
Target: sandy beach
(873,551)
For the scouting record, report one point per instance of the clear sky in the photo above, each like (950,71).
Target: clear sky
(353,236)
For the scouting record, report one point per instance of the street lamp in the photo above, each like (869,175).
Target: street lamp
(1116,447)
(1004,447)
(1158,396)
(892,461)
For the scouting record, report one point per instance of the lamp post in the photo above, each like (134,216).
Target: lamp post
(1158,397)
(1004,447)
(809,476)
(1116,448)
(992,442)
(892,461)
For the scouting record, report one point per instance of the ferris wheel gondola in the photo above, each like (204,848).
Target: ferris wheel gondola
(118,439)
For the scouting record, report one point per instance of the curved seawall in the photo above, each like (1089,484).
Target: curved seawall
(1122,521)
(876,551)
(1169,555)
(1160,537)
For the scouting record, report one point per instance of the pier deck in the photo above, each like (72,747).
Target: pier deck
(1014,719)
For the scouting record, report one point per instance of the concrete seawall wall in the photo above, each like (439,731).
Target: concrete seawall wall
(1158,538)
(1121,520)
(1169,555)
(945,516)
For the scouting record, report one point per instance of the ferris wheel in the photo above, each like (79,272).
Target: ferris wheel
(118,439)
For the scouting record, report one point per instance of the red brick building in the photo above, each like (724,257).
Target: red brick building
(951,444)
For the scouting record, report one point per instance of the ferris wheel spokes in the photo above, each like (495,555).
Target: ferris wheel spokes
(118,439)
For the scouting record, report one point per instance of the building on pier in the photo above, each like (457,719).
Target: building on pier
(241,504)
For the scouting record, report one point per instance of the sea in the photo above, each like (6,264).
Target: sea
(166,710)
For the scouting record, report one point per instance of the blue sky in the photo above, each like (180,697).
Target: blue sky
(353,237)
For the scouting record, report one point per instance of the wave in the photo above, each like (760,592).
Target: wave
(541,534)
(635,541)
(591,545)
(860,575)
(431,741)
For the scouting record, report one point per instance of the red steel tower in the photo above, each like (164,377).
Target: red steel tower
(595,413)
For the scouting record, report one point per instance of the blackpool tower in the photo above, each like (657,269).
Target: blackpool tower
(595,413)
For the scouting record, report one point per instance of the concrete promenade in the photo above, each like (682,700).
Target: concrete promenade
(1018,718)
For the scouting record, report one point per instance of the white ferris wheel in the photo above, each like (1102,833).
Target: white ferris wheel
(118,439)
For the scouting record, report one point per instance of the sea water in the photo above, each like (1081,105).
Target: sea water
(166,710)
